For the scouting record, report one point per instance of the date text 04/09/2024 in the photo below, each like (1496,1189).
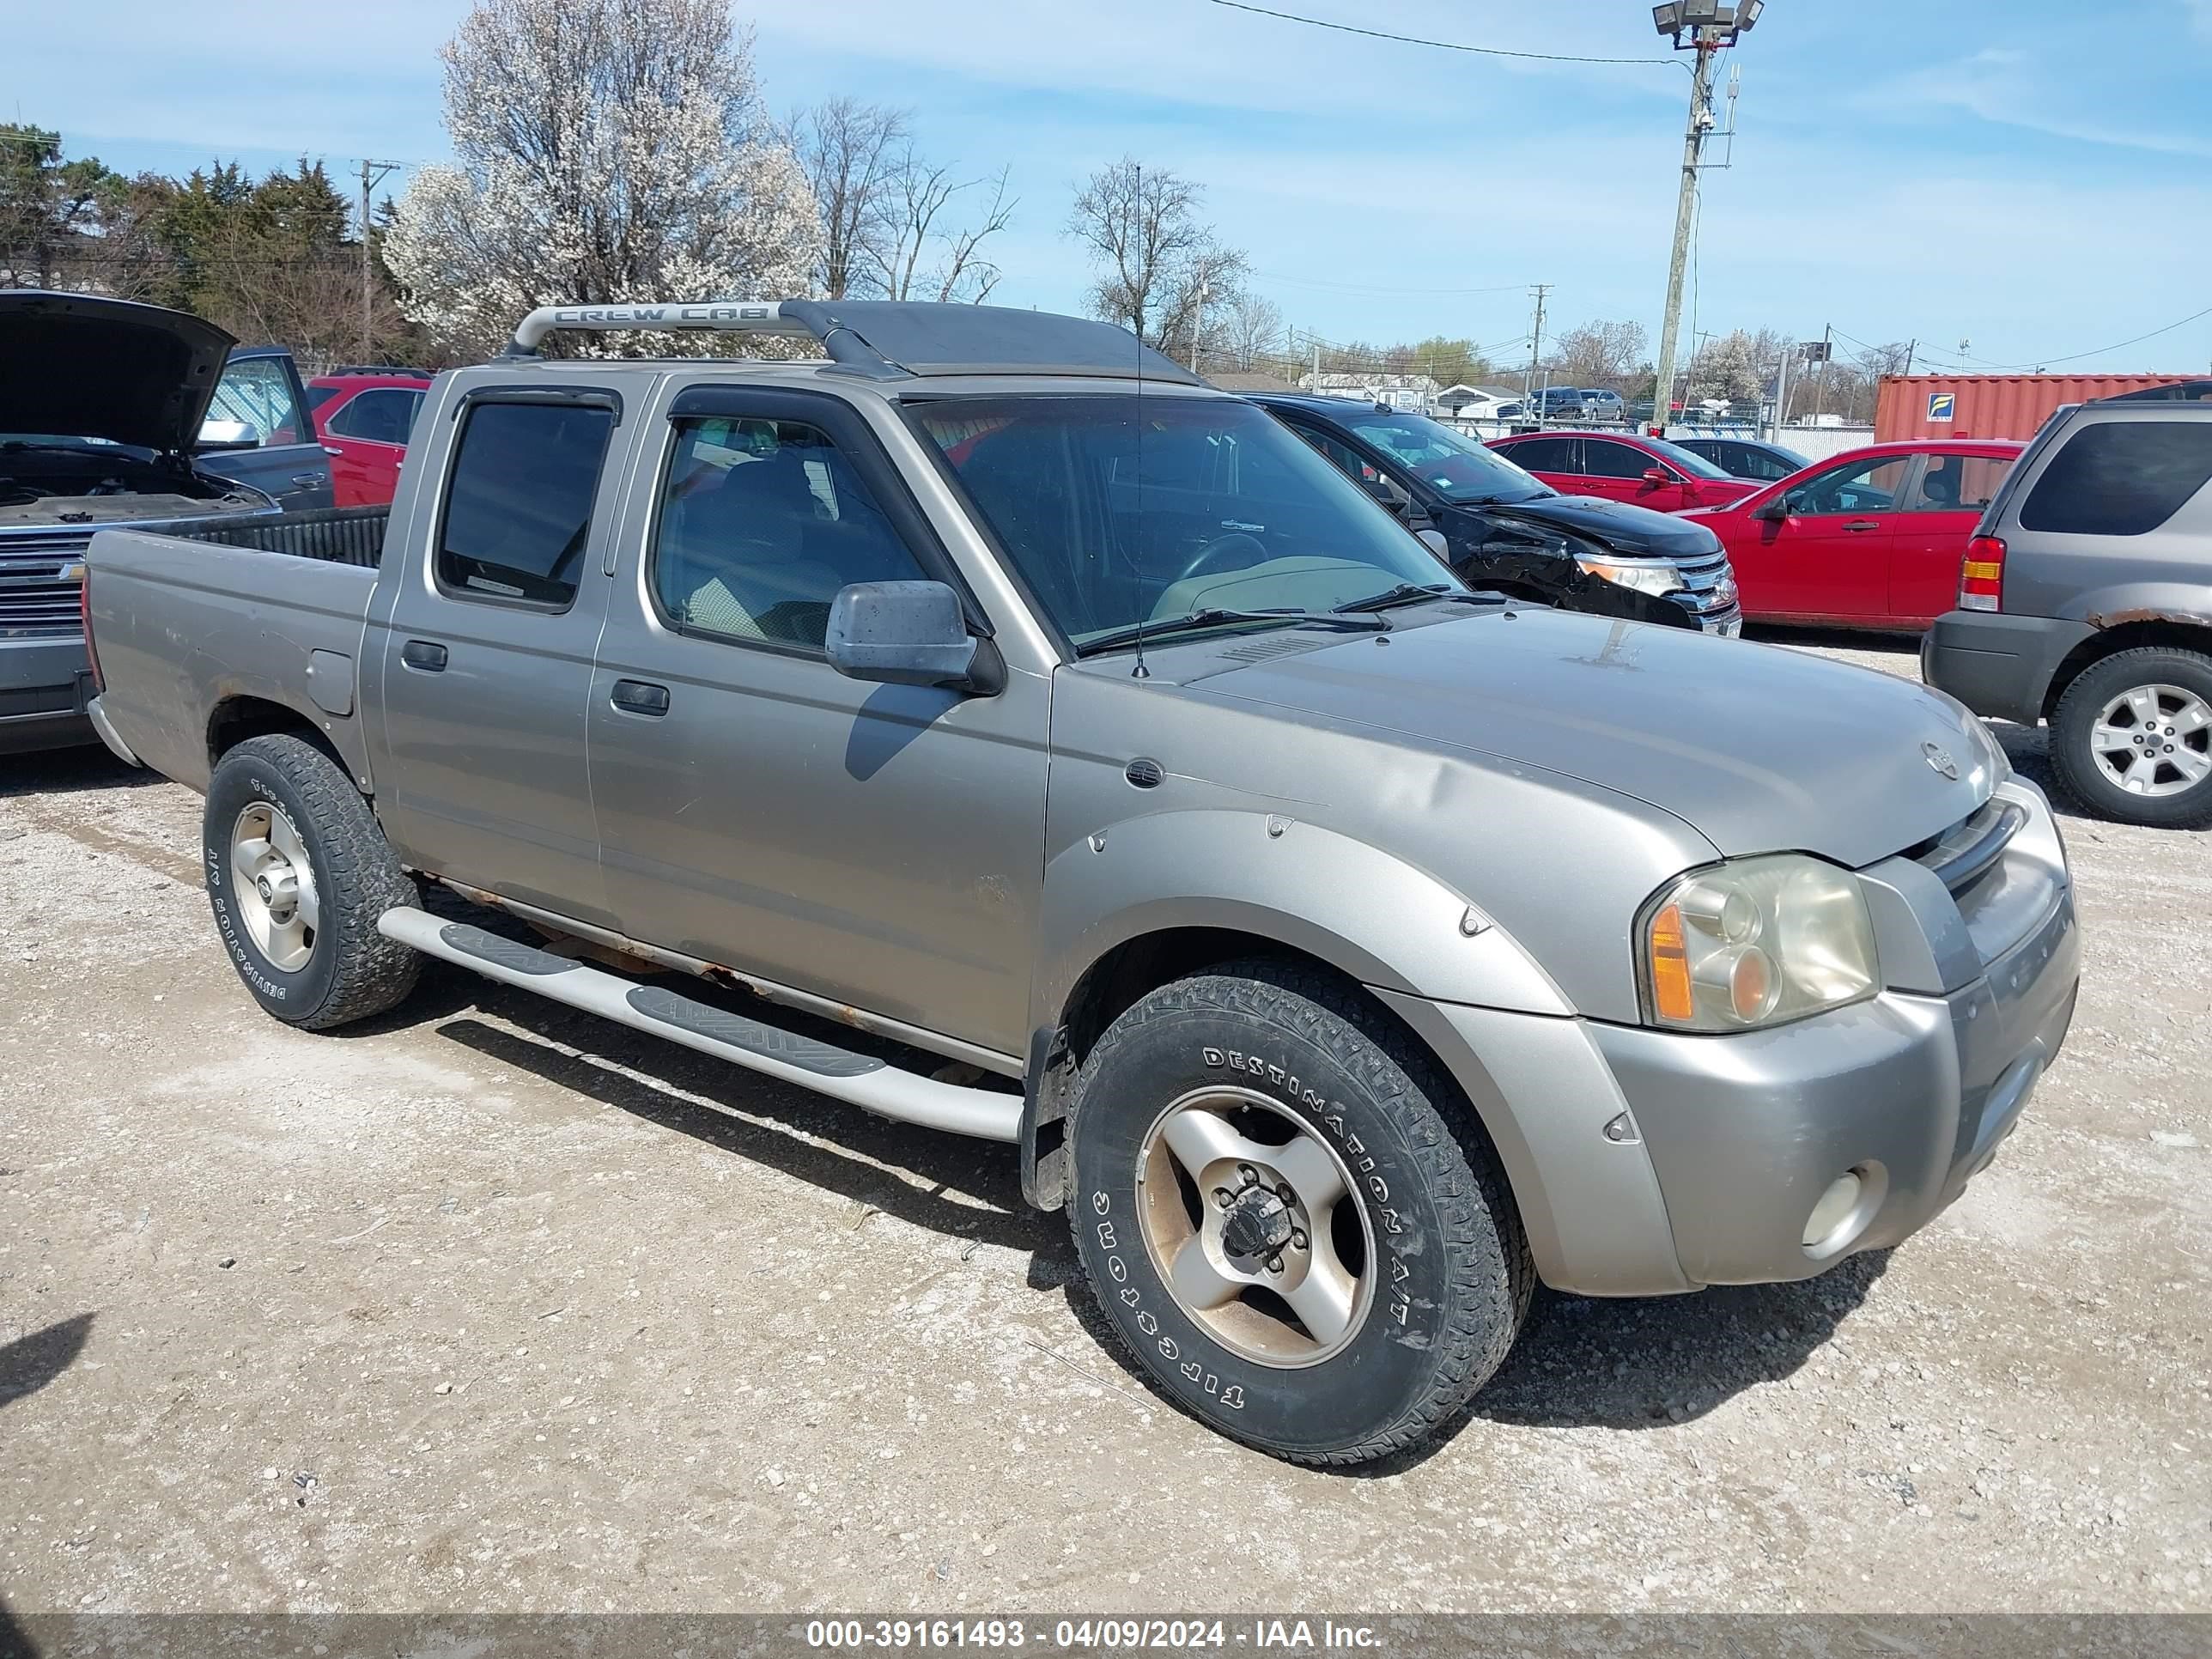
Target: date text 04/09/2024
(1102,1635)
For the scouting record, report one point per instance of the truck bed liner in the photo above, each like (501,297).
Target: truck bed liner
(336,535)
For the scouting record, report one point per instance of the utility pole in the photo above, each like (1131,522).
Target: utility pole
(1317,373)
(1820,385)
(1535,346)
(1710,26)
(369,183)
(1782,393)
(1198,319)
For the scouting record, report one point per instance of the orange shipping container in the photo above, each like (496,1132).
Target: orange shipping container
(1990,405)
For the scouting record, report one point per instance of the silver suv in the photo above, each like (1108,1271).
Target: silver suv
(2086,599)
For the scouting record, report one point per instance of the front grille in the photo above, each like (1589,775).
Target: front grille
(34,601)
(1708,591)
(1970,848)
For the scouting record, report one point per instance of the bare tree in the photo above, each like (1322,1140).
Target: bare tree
(851,154)
(921,191)
(1151,252)
(963,274)
(1193,317)
(1255,328)
(1598,354)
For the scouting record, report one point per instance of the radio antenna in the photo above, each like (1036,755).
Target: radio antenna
(1140,673)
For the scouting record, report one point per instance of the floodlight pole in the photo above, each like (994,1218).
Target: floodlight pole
(1705,42)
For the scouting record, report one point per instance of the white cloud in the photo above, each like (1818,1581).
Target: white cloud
(2004,86)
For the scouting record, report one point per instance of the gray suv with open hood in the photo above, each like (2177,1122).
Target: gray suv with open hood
(997,729)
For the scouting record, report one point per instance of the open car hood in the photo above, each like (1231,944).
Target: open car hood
(83,366)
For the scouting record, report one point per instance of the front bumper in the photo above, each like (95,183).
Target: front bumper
(1912,1093)
(1730,1141)
(1998,665)
(44,684)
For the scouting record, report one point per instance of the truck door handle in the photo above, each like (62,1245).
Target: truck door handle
(423,655)
(640,697)
(309,480)
(1864,523)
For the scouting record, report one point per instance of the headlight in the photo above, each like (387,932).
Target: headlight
(1756,941)
(1659,578)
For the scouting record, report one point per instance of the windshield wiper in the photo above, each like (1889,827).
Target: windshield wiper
(1214,616)
(1410,594)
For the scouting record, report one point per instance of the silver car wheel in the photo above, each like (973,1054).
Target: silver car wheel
(2154,740)
(273,886)
(1256,1227)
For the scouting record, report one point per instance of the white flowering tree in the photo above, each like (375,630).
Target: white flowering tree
(608,151)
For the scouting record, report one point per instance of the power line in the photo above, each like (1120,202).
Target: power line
(2121,345)
(2040,362)
(1369,288)
(1441,46)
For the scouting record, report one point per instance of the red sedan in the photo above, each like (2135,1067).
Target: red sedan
(1623,467)
(1869,538)
(363,419)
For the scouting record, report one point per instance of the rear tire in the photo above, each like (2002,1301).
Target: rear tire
(2129,732)
(298,872)
(1290,1217)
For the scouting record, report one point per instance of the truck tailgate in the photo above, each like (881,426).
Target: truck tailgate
(181,626)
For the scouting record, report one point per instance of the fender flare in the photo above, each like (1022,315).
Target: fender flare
(1373,916)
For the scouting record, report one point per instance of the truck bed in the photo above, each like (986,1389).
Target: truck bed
(336,535)
(223,616)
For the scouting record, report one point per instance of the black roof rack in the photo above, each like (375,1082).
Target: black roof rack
(889,338)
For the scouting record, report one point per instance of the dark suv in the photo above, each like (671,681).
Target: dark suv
(2086,599)
(1499,528)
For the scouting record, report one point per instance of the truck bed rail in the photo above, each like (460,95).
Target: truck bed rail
(336,535)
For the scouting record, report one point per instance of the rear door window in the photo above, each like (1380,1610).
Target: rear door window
(2120,478)
(1746,462)
(1957,484)
(382,415)
(519,502)
(1542,454)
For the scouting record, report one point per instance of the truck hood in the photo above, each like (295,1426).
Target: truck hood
(1617,527)
(81,366)
(1758,748)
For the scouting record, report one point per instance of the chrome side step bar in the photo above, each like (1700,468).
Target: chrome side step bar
(862,1080)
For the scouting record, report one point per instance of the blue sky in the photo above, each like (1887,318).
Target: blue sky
(2033,178)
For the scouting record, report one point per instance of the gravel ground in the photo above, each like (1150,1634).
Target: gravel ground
(491,1306)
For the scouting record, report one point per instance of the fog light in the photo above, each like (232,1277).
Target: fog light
(1836,1203)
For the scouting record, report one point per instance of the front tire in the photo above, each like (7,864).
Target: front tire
(2132,739)
(1290,1217)
(298,870)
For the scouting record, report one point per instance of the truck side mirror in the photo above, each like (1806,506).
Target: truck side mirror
(909,634)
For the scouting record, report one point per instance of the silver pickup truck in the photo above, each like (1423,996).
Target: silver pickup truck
(1344,950)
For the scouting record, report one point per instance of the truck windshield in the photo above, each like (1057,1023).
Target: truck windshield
(1116,510)
(1457,467)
